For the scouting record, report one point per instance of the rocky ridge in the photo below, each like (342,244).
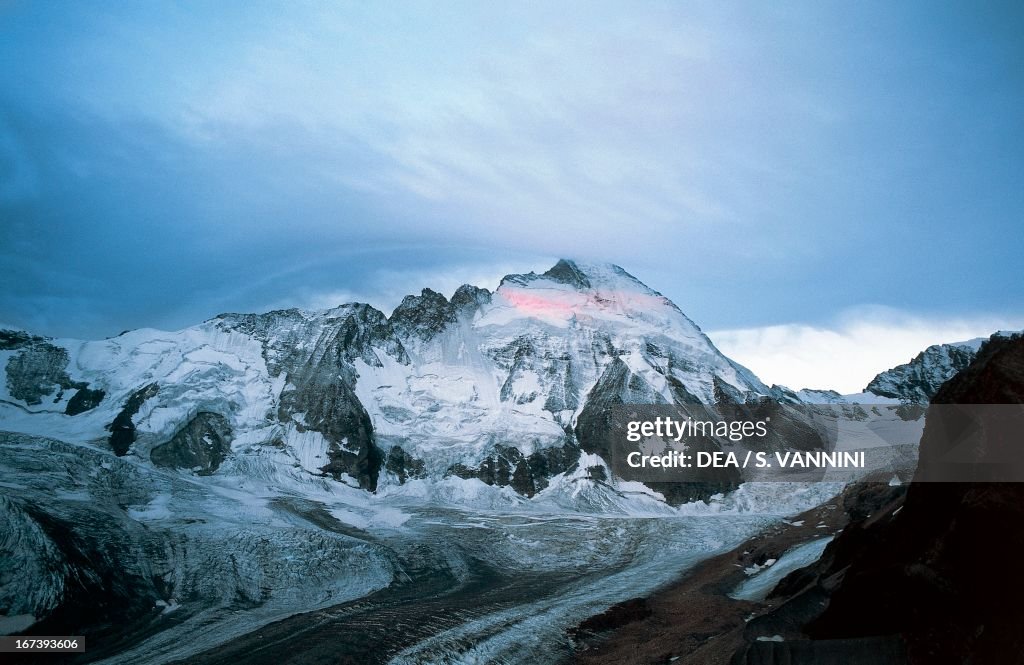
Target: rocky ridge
(509,387)
(917,381)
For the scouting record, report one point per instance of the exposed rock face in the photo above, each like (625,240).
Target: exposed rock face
(507,387)
(929,573)
(318,357)
(85,399)
(567,272)
(423,316)
(282,333)
(995,376)
(40,370)
(122,430)
(16,339)
(37,371)
(527,475)
(618,386)
(468,298)
(403,465)
(359,332)
(918,380)
(324,397)
(201,445)
(291,338)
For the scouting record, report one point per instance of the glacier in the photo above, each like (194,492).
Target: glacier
(426,484)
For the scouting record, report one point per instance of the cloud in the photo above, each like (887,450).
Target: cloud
(159,163)
(384,288)
(845,356)
(17,179)
(539,131)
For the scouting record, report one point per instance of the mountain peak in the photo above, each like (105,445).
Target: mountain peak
(582,276)
(567,272)
(423,316)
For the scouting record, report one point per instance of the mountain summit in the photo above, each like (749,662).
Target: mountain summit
(505,387)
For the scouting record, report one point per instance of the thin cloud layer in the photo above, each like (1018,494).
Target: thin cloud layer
(846,355)
(160,163)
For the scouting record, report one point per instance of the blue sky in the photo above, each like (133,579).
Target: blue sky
(800,166)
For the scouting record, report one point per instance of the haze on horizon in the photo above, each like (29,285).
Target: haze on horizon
(826,187)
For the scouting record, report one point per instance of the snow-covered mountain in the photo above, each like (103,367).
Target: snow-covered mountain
(918,380)
(508,387)
(165,493)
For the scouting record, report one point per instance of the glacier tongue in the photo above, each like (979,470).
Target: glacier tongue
(186,566)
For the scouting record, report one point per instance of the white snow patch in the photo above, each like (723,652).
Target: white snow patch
(157,509)
(756,568)
(764,578)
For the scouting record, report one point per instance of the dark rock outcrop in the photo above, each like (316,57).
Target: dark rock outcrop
(282,333)
(933,574)
(526,474)
(423,316)
(37,371)
(918,380)
(361,332)
(84,400)
(567,272)
(324,396)
(40,369)
(616,616)
(16,339)
(122,430)
(618,386)
(321,379)
(468,298)
(403,465)
(201,445)
(520,355)
(321,376)
(792,426)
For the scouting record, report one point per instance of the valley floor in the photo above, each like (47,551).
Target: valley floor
(159,567)
(694,620)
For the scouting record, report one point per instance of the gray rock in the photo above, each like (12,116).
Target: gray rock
(468,298)
(423,316)
(527,475)
(918,380)
(201,445)
(84,400)
(16,339)
(403,465)
(37,371)
(122,430)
